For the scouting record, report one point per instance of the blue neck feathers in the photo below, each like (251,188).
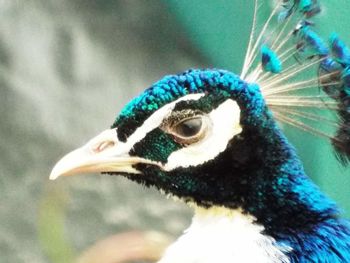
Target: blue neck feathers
(295,212)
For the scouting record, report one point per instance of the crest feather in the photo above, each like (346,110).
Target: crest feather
(289,56)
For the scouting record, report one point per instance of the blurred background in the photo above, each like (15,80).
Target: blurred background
(66,69)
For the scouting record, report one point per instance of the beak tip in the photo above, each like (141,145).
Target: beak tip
(56,172)
(53,175)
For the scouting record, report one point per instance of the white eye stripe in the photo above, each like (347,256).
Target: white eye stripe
(155,120)
(225,125)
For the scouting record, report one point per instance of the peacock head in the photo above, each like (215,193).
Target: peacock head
(210,136)
(199,135)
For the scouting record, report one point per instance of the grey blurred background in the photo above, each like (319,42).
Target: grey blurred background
(66,69)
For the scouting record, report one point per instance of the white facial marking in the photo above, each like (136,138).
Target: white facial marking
(225,125)
(156,119)
(225,236)
(153,122)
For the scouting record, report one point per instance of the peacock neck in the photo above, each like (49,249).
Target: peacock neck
(289,201)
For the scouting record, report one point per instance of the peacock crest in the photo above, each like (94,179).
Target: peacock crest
(280,57)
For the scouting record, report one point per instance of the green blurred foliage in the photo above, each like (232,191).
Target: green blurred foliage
(51,227)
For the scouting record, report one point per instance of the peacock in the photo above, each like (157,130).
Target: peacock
(213,139)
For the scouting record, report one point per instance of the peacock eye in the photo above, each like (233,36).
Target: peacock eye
(189,130)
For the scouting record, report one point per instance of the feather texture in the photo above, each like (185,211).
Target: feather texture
(297,50)
(238,161)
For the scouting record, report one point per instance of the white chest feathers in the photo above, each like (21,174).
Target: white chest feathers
(219,235)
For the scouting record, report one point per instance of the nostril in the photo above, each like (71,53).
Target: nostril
(102,146)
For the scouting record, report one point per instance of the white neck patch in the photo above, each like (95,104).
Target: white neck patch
(225,125)
(225,236)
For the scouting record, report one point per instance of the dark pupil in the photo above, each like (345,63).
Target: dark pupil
(189,128)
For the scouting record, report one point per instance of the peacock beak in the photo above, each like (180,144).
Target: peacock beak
(103,153)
